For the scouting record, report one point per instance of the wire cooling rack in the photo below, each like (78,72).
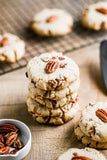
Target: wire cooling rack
(16,15)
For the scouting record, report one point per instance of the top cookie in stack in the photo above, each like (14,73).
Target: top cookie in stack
(54,81)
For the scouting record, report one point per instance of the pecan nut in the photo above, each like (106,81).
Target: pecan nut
(63,65)
(5,150)
(7,128)
(14,151)
(1,145)
(10,138)
(61,58)
(102,114)
(18,144)
(51,66)
(1,138)
(52,18)
(4,42)
(81,158)
(102,10)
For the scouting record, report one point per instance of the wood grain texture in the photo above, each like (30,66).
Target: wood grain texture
(49,142)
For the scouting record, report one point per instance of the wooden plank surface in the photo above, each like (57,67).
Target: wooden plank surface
(49,142)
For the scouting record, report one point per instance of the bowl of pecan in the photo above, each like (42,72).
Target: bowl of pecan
(15,139)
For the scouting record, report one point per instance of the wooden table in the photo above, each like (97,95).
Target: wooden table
(49,142)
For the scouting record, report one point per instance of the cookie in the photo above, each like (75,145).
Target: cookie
(88,141)
(52,71)
(11,48)
(52,22)
(93,121)
(95,16)
(53,95)
(82,154)
(52,104)
(55,116)
(42,111)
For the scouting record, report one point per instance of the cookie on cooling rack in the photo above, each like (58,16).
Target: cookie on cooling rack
(95,16)
(52,22)
(12,48)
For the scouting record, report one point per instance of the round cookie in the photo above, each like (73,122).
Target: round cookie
(49,22)
(53,95)
(95,16)
(55,116)
(93,121)
(88,141)
(52,71)
(11,48)
(42,111)
(81,154)
(52,104)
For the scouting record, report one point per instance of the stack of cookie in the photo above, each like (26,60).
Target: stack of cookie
(92,127)
(54,81)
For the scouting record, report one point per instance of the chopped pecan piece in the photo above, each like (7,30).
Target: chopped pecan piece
(102,10)
(52,18)
(4,42)
(14,151)
(51,66)
(5,150)
(63,65)
(1,138)
(1,145)
(81,158)
(61,58)
(18,144)
(7,128)
(10,138)
(102,114)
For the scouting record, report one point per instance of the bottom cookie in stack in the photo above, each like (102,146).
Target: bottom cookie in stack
(92,127)
(57,116)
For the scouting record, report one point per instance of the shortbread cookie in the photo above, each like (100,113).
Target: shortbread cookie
(52,71)
(57,120)
(93,121)
(52,104)
(95,16)
(42,111)
(82,154)
(11,48)
(53,95)
(88,141)
(52,22)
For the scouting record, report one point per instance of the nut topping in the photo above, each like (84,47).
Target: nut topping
(1,138)
(4,42)
(81,158)
(52,18)
(51,66)
(63,65)
(61,58)
(102,114)
(4,150)
(11,137)
(102,10)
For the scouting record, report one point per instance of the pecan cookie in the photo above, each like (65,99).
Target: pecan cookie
(42,111)
(93,121)
(52,22)
(82,154)
(52,71)
(95,16)
(11,48)
(52,116)
(52,104)
(53,95)
(87,141)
